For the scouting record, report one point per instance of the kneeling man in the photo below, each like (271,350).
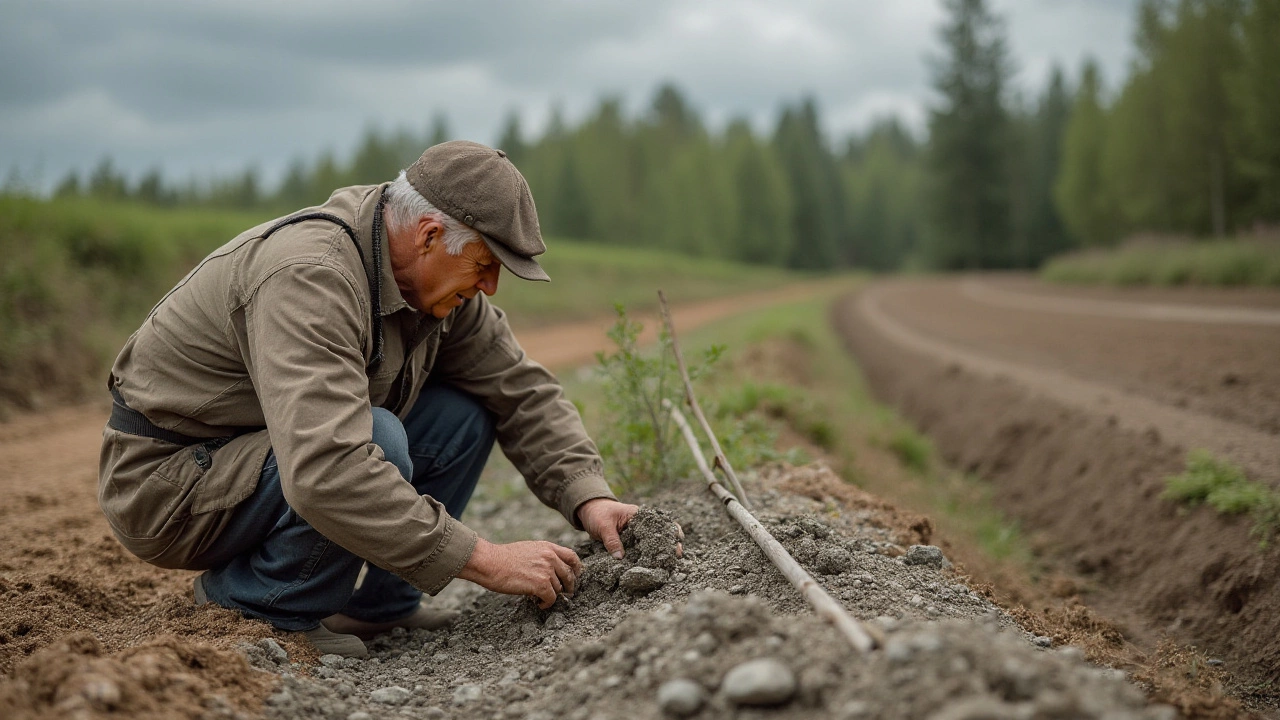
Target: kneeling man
(323,391)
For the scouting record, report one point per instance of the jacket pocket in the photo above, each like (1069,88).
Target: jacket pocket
(142,507)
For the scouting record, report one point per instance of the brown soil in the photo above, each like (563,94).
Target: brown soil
(87,628)
(1077,414)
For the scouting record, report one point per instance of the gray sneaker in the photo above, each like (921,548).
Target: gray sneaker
(329,642)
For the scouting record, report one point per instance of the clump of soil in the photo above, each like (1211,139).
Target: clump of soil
(162,678)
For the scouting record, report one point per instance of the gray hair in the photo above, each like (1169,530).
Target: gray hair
(405,207)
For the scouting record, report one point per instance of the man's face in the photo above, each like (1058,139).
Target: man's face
(441,281)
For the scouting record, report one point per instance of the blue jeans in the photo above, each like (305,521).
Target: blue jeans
(270,564)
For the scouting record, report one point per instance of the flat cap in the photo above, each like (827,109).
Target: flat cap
(480,187)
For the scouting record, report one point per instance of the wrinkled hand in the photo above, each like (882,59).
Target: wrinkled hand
(531,567)
(604,519)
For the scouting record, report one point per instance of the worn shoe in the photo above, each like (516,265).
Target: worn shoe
(325,640)
(329,642)
(197,588)
(424,618)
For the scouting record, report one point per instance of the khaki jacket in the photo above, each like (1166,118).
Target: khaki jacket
(276,333)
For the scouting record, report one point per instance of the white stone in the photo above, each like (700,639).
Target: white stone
(759,682)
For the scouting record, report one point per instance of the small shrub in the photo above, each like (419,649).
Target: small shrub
(640,439)
(1224,487)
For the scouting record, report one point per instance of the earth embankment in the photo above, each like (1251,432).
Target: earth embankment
(1077,404)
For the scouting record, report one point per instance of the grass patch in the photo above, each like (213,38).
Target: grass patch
(914,450)
(1224,487)
(1236,262)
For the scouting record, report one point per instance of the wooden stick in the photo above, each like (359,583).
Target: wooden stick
(823,604)
(721,461)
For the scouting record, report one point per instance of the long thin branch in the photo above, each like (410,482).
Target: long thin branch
(721,461)
(823,604)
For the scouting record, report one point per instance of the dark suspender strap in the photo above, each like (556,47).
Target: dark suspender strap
(373,271)
(127,420)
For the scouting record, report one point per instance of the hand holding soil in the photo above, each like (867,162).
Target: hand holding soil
(604,519)
(530,567)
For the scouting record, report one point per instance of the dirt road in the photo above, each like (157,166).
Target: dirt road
(1076,404)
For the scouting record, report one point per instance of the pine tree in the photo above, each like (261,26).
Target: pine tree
(1079,191)
(817,221)
(968,134)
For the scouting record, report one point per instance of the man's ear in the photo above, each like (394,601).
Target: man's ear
(430,230)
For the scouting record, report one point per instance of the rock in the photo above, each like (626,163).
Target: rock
(640,580)
(554,621)
(465,694)
(331,661)
(681,697)
(394,695)
(759,682)
(1042,641)
(284,697)
(273,650)
(738,590)
(926,555)
(531,630)
(705,643)
(102,692)
(359,715)
(833,560)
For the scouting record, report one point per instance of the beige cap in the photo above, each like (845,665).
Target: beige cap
(479,187)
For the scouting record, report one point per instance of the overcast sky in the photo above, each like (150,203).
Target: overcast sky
(211,88)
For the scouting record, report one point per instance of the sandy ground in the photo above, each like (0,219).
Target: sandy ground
(1076,404)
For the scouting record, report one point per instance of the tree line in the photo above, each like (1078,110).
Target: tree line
(1187,144)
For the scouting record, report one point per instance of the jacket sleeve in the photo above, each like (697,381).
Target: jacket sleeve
(305,326)
(538,428)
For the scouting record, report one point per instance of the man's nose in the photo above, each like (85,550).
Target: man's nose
(488,282)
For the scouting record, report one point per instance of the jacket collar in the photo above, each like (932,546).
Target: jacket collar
(392,300)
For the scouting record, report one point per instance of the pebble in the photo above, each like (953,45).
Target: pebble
(331,661)
(640,580)
(274,651)
(764,681)
(1215,662)
(679,577)
(926,555)
(284,697)
(467,694)
(359,715)
(706,643)
(394,695)
(1043,641)
(434,713)
(555,621)
(681,697)
(102,693)
(738,590)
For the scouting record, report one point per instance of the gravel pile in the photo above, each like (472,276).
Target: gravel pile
(716,633)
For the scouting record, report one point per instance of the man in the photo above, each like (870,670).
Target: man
(324,391)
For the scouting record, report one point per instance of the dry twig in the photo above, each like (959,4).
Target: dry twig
(721,461)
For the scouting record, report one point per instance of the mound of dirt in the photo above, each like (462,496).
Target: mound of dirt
(609,650)
(162,678)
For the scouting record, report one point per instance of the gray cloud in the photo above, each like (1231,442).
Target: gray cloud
(214,87)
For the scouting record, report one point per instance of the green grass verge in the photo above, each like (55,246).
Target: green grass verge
(830,406)
(1224,487)
(1216,263)
(79,274)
